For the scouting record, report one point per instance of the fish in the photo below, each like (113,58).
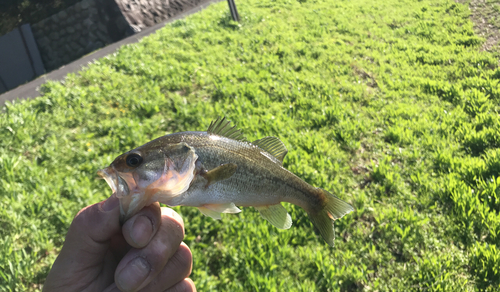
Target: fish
(216,171)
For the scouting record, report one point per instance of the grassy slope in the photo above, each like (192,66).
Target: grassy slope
(485,14)
(388,104)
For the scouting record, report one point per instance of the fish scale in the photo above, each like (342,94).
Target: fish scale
(256,174)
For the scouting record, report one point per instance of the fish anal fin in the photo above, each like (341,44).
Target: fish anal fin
(276,215)
(210,213)
(219,173)
(223,208)
(273,146)
(222,127)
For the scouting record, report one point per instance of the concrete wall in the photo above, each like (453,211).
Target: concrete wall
(19,58)
(92,24)
(78,30)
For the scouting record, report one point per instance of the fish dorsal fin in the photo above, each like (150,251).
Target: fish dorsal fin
(276,215)
(273,146)
(222,127)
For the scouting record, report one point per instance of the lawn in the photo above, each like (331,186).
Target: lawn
(388,104)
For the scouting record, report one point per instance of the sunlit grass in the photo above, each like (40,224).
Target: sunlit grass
(388,104)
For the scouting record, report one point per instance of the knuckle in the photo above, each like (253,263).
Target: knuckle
(173,227)
(155,285)
(178,218)
(172,215)
(185,285)
(183,260)
(166,243)
(81,219)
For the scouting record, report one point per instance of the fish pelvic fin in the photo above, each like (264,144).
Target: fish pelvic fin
(214,210)
(223,208)
(276,215)
(334,209)
(210,213)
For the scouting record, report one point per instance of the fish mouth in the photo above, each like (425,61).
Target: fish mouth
(130,202)
(118,185)
(109,175)
(135,191)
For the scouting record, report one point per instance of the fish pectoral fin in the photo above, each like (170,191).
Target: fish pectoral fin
(276,215)
(223,208)
(210,213)
(219,173)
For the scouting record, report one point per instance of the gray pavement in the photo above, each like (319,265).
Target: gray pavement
(31,89)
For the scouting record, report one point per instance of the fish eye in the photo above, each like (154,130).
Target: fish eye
(134,160)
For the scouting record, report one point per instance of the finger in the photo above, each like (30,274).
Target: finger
(87,241)
(141,228)
(177,268)
(140,266)
(94,226)
(112,288)
(185,285)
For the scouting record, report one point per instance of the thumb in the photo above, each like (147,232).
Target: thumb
(90,233)
(94,226)
(86,245)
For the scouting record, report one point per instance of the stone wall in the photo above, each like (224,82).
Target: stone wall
(79,30)
(91,24)
(145,13)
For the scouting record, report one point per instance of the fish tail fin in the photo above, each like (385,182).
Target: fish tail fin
(334,209)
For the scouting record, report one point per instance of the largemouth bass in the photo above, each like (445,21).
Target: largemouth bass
(216,171)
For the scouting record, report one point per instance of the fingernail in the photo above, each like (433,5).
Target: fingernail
(110,204)
(142,230)
(134,274)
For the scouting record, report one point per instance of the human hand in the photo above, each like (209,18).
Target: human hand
(146,254)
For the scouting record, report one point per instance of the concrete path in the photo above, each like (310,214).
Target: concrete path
(31,89)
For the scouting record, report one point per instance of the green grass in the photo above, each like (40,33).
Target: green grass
(388,104)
